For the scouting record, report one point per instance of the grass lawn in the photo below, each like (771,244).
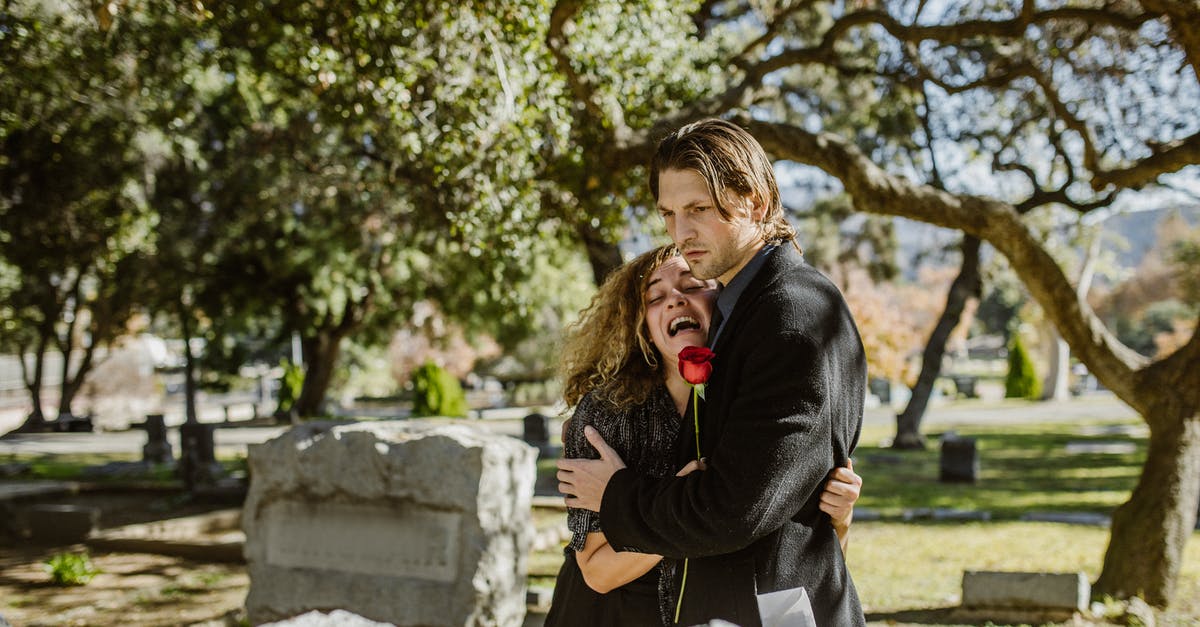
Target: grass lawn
(1023,467)
(75,467)
(911,572)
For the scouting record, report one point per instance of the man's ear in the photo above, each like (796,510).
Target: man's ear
(758,208)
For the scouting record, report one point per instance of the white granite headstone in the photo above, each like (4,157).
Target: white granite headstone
(400,522)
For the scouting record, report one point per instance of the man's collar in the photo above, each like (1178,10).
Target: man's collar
(729,294)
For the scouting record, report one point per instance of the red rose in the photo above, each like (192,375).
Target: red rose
(695,364)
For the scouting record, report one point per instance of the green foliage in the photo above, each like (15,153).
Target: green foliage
(1185,256)
(290,384)
(71,569)
(437,393)
(1138,331)
(1022,380)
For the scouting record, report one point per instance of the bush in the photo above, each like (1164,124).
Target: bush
(437,392)
(71,569)
(1022,380)
(290,384)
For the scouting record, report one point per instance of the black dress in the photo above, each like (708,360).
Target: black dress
(644,435)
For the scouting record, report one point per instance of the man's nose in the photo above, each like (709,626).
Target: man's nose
(684,229)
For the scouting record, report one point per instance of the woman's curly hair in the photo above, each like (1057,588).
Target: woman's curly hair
(608,350)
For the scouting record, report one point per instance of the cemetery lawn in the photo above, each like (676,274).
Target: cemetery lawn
(910,572)
(81,467)
(1023,468)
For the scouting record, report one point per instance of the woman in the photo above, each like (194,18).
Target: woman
(621,374)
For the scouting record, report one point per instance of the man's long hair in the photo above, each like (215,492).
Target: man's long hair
(729,159)
(608,350)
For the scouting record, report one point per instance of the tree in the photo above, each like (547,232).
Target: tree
(71,221)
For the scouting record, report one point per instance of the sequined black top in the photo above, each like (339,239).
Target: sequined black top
(644,436)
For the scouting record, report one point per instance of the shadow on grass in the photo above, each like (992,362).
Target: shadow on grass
(934,616)
(1021,469)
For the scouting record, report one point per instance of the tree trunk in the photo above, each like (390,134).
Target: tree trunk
(36,421)
(73,383)
(1150,531)
(320,356)
(967,284)
(603,255)
(189,366)
(1055,386)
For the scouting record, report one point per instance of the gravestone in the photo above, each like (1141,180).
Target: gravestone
(157,449)
(537,430)
(1025,591)
(537,433)
(198,466)
(401,522)
(959,460)
(964,385)
(61,524)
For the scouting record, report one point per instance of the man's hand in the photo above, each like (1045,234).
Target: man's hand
(584,480)
(839,495)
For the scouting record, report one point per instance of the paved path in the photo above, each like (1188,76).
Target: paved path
(233,441)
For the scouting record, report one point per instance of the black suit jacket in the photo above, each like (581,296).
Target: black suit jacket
(783,407)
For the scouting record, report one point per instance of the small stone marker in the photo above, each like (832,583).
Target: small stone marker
(1101,448)
(157,449)
(61,524)
(959,459)
(1025,591)
(401,522)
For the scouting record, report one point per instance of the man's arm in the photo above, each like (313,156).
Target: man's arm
(776,447)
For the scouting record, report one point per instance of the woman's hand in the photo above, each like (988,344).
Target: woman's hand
(693,466)
(839,496)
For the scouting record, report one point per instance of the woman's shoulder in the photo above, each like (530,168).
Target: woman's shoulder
(596,409)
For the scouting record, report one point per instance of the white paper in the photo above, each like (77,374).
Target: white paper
(786,608)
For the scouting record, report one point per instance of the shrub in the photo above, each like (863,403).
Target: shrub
(1022,380)
(71,569)
(437,392)
(290,384)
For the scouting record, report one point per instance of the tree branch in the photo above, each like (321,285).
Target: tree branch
(991,220)
(556,39)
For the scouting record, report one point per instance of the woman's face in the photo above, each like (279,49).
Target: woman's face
(678,308)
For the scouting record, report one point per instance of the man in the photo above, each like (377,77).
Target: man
(783,406)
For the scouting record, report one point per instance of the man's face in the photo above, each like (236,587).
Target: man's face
(713,247)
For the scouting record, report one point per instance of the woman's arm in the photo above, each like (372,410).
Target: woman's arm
(605,570)
(838,498)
